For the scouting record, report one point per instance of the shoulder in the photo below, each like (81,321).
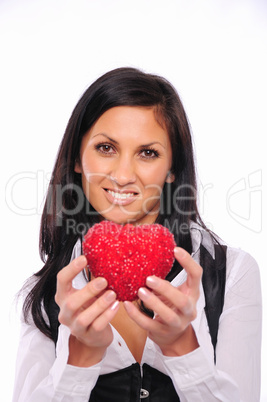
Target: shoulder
(27,288)
(242,275)
(25,297)
(240,262)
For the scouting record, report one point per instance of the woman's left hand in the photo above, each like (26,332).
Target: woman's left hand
(174,308)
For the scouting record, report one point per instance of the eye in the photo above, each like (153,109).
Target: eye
(105,148)
(149,153)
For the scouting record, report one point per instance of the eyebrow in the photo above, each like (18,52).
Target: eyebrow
(141,146)
(105,135)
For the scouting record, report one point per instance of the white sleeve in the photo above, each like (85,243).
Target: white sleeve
(236,375)
(240,329)
(42,372)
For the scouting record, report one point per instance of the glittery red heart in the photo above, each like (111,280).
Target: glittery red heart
(127,255)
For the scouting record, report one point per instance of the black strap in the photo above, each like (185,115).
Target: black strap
(213,280)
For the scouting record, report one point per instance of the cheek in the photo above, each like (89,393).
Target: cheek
(90,176)
(156,175)
(92,168)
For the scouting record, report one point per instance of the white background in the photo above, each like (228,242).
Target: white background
(214,52)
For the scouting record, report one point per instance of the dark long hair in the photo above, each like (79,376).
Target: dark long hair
(66,202)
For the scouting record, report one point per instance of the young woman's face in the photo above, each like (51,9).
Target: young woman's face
(125,160)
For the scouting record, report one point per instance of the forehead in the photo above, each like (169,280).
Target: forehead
(131,122)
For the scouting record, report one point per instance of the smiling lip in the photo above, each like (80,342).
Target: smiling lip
(120,197)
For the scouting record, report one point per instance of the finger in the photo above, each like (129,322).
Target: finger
(193,269)
(173,296)
(142,320)
(90,314)
(104,319)
(84,297)
(171,316)
(68,273)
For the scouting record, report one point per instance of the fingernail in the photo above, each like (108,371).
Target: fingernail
(81,261)
(114,305)
(128,306)
(100,283)
(179,252)
(109,296)
(142,292)
(152,281)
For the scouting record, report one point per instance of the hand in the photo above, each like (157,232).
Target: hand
(87,312)
(174,308)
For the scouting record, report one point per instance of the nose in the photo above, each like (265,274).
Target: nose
(123,171)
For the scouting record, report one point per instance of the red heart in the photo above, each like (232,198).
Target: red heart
(127,255)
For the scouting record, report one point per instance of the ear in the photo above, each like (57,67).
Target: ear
(77,166)
(170,178)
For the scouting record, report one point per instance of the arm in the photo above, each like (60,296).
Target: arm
(70,372)
(239,338)
(237,373)
(236,376)
(42,376)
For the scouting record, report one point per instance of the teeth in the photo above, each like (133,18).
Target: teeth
(121,196)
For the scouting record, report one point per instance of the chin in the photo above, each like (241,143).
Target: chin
(122,219)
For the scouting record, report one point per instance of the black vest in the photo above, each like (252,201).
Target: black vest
(127,385)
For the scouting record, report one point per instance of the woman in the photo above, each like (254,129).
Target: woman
(127,156)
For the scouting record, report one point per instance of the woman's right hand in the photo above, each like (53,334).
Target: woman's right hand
(87,312)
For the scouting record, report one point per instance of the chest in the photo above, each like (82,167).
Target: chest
(134,336)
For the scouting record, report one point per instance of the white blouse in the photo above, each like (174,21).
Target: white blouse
(42,374)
